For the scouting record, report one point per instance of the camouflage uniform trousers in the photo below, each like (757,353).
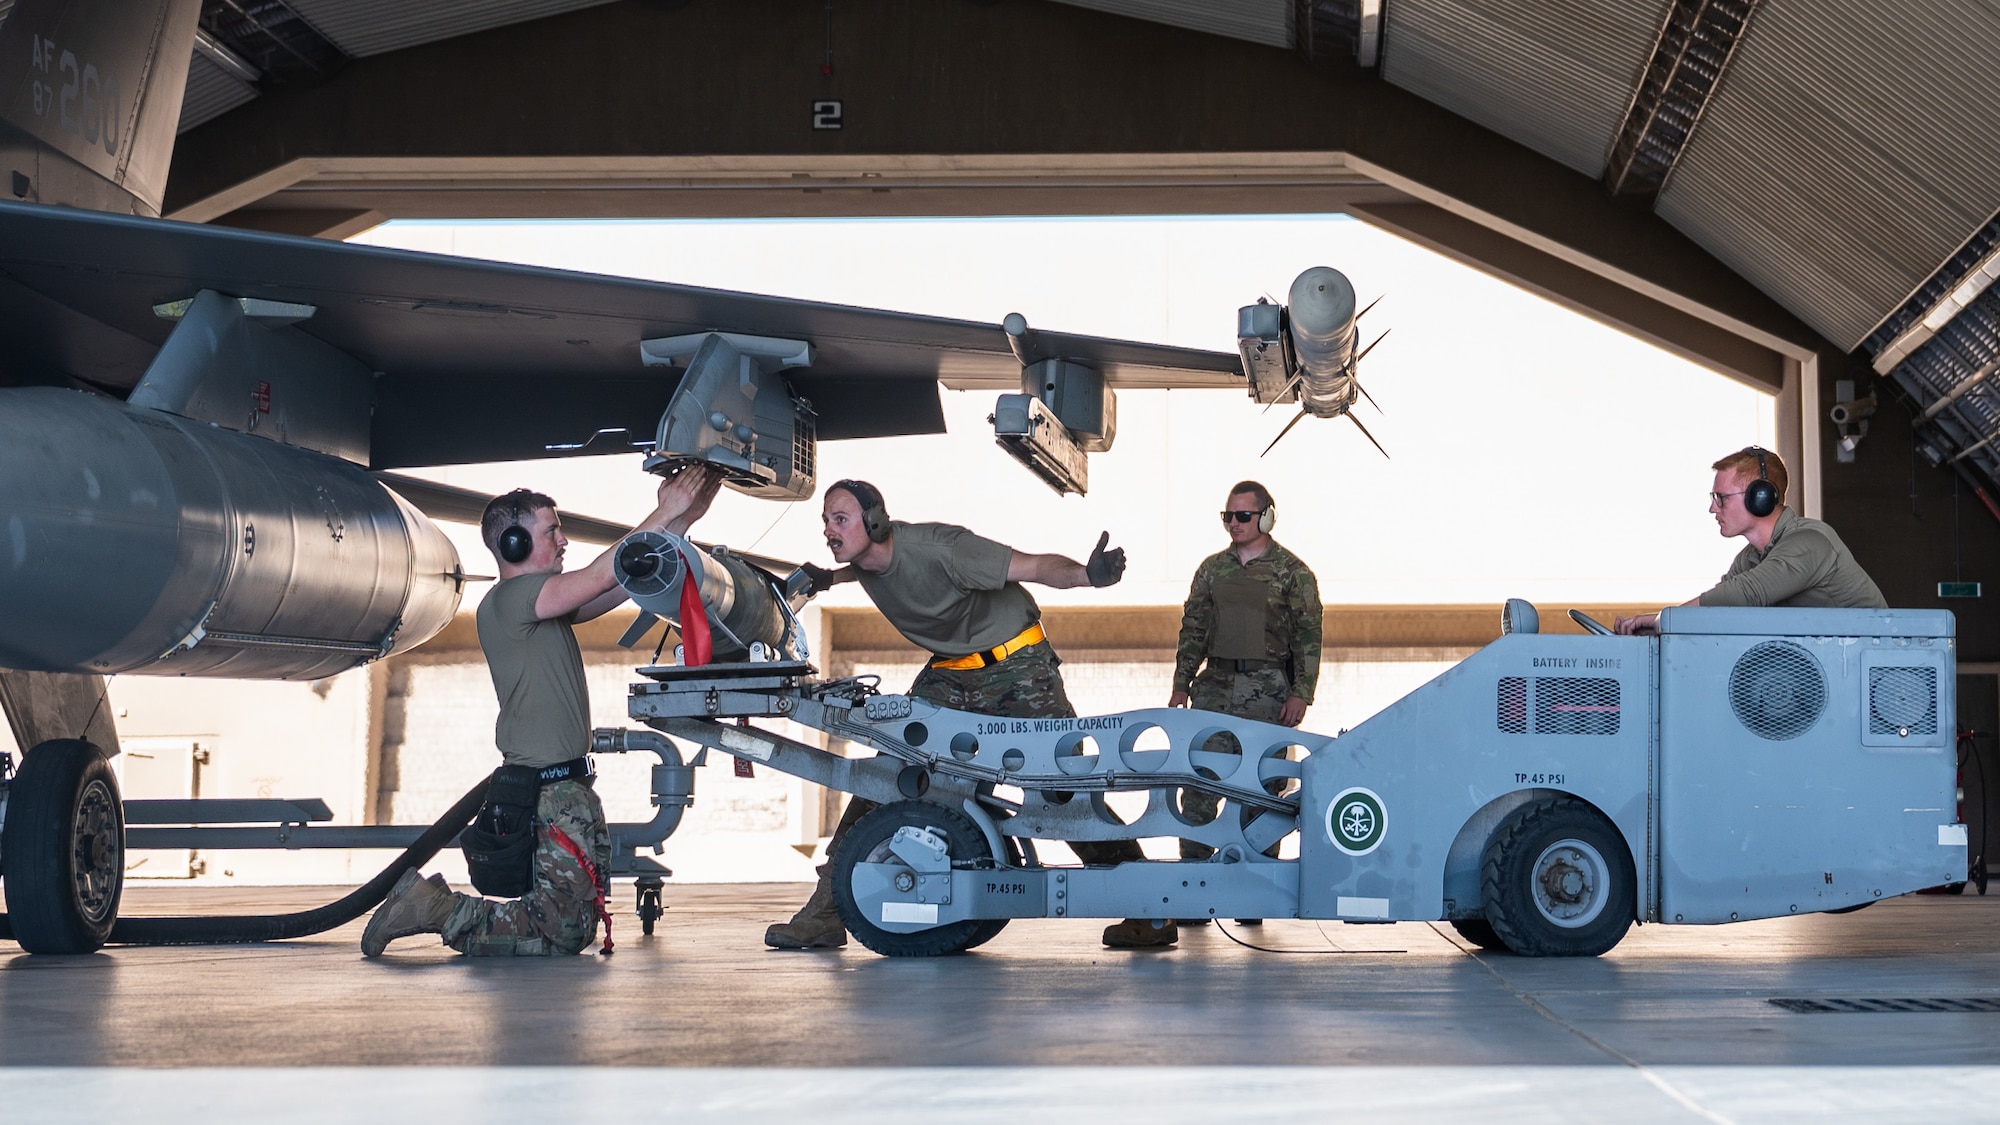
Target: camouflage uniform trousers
(1258,695)
(559,913)
(1026,685)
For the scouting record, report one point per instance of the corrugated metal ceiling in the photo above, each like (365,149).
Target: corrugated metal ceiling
(1555,75)
(1260,21)
(211,92)
(1837,170)
(373,27)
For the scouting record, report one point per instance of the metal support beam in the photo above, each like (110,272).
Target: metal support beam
(1696,41)
(1675,328)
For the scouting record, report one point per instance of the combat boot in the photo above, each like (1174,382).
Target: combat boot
(817,924)
(1141,933)
(415,905)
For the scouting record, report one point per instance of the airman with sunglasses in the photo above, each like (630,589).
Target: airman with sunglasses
(1250,633)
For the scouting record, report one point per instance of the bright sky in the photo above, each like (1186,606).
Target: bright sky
(1534,452)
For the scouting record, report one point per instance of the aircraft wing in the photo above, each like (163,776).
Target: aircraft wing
(465,505)
(483,361)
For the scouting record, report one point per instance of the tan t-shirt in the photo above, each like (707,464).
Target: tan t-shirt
(946,590)
(537,673)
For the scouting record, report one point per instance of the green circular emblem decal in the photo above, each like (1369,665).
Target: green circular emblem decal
(1355,821)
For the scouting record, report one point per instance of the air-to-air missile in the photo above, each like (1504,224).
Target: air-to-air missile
(747,610)
(1304,350)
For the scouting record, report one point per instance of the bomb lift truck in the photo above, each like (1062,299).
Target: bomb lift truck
(1541,796)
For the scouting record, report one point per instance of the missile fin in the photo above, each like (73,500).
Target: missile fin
(1288,429)
(1369,397)
(1371,304)
(1371,347)
(1289,388)
(1364,433)
(641,625)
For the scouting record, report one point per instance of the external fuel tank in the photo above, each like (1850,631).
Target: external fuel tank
(137,541)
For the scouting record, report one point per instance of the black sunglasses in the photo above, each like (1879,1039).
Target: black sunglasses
(1241,517)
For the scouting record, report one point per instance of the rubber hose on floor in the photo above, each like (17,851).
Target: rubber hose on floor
(233,930)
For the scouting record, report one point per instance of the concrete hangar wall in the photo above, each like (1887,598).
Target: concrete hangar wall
(1029,107)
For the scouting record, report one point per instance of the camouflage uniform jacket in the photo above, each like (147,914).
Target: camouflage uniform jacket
(1291,616)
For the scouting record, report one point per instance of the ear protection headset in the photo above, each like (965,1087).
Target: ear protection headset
(516,544)
(1266,519)
(874,513)
(1760,496)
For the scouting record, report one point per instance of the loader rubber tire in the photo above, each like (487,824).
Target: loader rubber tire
(989,928)
(868,842)
(1557,880)
(1479,932)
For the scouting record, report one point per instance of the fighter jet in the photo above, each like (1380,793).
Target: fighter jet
(199,426)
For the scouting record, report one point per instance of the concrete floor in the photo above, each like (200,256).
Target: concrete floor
(1398,1021)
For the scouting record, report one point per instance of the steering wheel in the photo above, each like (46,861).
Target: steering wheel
(1589,623)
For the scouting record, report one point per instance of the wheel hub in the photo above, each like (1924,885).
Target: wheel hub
(1570,882)
(97,850)
(1563,883)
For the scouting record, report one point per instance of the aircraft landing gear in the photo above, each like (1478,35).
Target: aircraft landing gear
(650,906)
(63,848)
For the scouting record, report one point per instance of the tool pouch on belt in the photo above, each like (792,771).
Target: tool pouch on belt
(499,845)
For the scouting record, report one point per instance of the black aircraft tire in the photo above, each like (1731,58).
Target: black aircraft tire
(1558,881)
(1479,932)
(64,849)
(868,842)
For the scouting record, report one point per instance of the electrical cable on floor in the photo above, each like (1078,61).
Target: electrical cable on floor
(1322,932)
(1969,740)
(239,929)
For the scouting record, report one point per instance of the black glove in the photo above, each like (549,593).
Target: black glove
(1105,568)
(810,580)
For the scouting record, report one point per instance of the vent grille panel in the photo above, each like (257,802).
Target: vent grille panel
(805,441)
(1513,715)
(1575,705)
(1902,700)
(1777,690)
(1844,1005)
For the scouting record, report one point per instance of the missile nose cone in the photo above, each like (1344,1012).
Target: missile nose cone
(1015,324)
(1321,300)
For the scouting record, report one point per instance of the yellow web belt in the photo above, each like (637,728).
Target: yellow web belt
(1030,636)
